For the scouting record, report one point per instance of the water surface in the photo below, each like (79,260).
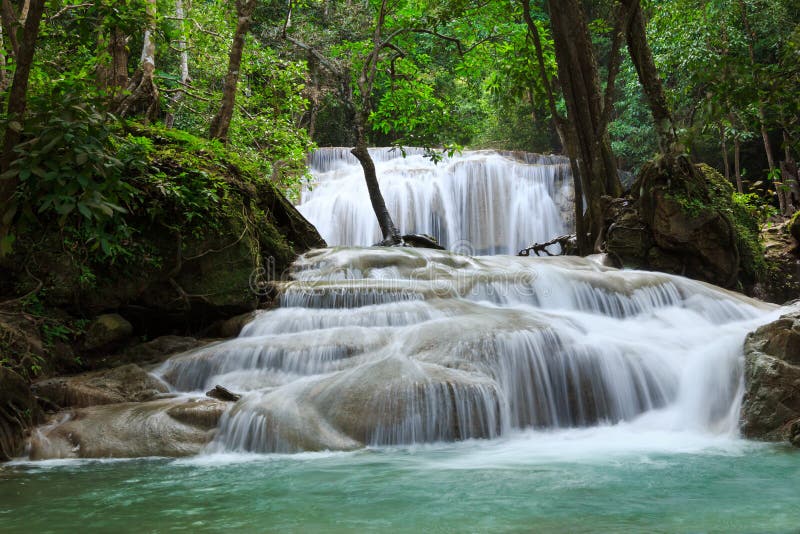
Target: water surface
(602,479)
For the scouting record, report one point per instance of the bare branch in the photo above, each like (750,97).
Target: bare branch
(67,8)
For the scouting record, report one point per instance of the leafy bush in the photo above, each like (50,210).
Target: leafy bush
(69,172)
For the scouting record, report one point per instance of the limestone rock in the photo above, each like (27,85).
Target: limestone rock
(771,408)
(128,383)
(18,412)
(159,349)
(222,393)
(166,427)
(234,325)
(107,330)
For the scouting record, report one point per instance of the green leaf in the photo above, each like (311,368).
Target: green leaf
(84,209)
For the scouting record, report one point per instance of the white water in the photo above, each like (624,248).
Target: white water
(403,346)
(479,202)
(399,347)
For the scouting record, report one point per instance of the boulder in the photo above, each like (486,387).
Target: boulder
(18,412)
(782,255)
(107,331)
(681,219)
(234,325)
(684,206)
(794,227)
(129,383)
(189,264)
(771,407)
(159,349)
(165,427)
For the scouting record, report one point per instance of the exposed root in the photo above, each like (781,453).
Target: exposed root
(567,242)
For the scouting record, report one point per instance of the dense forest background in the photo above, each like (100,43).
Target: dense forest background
(273,79)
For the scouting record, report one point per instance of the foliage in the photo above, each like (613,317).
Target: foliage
(69,171)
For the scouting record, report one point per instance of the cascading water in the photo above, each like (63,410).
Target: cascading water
(483,202)
(377,346)
(401,346)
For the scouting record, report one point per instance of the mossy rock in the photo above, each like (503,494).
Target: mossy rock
(206,232)
(18,412)
(683,220)
(794,227)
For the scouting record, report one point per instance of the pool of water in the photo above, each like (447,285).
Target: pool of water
(600,479)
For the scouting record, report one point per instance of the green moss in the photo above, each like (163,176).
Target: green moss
(745,224)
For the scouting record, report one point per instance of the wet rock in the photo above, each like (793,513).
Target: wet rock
(391,401)
(166,427)
(771,407)
(629,239)
(129,383)
(421,241)
(107,331)
(159,349)
(18,412)
(234,325)
(223,394)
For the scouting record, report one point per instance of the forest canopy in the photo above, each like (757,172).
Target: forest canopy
(273,79)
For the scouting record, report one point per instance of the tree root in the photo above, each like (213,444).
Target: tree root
(142,93)
(536,248)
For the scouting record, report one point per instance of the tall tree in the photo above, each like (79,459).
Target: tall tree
(221,122)
(142,92)
(588,123)
(15,113)
(642,58)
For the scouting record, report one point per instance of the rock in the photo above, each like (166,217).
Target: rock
(178,280)
(628,238)
(421,241)
(681,219)
(782,257)
(166,427)
(771,407)
(375,404)
(107,331)
(234,325)
(794,227)
(18,412)
(685,221)
(129,383)
(223,394)
(159,349)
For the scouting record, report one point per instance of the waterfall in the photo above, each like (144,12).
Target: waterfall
(481,202)
(375,346)
(382,347)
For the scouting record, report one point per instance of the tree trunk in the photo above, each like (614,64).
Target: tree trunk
(737,168)
(723,142)
(390,234)
(762,116)
(142,89)
(642,58)
(222,120)
(113,76)
(789,176)
(17,102)
(3,64)
(578,76)
(180,15)
(565,133)
(10,24)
